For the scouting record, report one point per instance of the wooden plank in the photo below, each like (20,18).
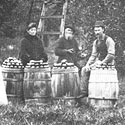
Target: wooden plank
(58,16)
(63,19)
(41,22)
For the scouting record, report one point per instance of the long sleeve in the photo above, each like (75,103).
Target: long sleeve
(93,55)
(23,48)
(24,56)
(111,50)
(60,50)
(76,47)
(42,54)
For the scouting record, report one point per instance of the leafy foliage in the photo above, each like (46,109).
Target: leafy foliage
(82,14)
(6,9)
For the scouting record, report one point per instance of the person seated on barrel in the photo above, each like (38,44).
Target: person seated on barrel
(103,52)
(31,46)
(67,47)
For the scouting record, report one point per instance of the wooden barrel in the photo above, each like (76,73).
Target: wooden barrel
(103,87)
(65,81)
(13,79)
(37,85)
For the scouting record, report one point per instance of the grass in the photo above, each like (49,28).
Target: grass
(61,113)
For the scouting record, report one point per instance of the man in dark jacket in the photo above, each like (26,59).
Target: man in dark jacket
(31,46)
(67,47)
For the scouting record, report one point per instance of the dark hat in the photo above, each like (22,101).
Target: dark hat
(70,27)
(99,24)
(31,25)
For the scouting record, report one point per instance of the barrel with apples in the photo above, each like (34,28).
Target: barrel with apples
(103,86)
(65,81)
(13,71)
(37,82)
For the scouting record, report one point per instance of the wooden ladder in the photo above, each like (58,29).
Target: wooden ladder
(41,27)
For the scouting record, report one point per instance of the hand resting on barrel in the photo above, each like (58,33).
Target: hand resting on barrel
(87,68)
(96,64)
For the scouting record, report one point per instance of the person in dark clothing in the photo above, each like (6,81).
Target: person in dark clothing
(31,46)
(67,47)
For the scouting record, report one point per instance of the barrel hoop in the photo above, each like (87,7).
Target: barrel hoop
(104,82)
(10,95)
(64,70)
(11,79)
(103,98)
(37,70)
(37,79)
(17,72)
(33,98)
(64,98)
(6,70)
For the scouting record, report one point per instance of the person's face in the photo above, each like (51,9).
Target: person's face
(32,31)
(98,31)
(68,33)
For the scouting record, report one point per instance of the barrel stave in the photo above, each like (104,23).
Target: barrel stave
(37,85)
(65,82)
(13,80)
(103,87)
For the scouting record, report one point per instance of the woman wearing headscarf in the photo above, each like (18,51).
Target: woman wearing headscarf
(31,46)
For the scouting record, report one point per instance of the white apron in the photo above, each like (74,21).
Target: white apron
(3,95)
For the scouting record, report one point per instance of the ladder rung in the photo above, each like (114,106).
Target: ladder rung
(51,33)
(43,17)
